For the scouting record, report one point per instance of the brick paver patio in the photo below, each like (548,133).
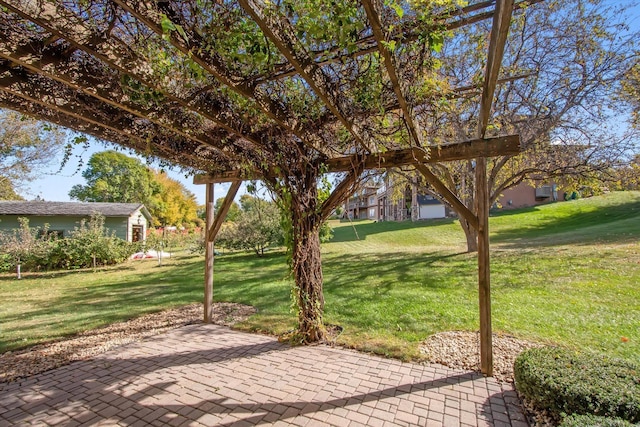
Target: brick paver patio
(210,375)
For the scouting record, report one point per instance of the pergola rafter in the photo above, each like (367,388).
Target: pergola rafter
(161,78)
(154,147)
(118,57)
(277,28)
(102,88)
(368,45)
(191,44)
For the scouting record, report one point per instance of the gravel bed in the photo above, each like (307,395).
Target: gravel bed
(43,357)
(458,349)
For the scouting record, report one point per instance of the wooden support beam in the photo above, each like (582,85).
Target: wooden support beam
(212,231)
(342,191)
(491,147)
(374,9)
(499,32)
(448,195)
(208,255)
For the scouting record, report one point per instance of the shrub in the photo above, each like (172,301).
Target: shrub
(564,382)
(594,421)
(89,245)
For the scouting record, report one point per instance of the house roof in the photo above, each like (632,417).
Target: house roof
(11,207)
(428,200)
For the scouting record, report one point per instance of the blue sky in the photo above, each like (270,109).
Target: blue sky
(54,184)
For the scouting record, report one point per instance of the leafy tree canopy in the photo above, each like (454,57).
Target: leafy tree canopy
(173,204)
(26,147)
(114,177)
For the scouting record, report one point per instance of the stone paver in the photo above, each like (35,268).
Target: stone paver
(208,375)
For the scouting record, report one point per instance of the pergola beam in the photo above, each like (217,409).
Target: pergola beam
(98,87)
(100,131)
(193,46)
(402,35)
(505,145)
(373,8)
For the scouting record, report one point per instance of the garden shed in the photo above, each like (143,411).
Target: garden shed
(129,221)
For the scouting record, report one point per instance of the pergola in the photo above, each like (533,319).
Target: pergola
(280,91)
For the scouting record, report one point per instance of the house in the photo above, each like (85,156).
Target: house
(129,221)
(376,202)
(363,204)
(530,194)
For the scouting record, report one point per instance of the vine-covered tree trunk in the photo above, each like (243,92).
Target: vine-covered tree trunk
(307,271)
(306,262)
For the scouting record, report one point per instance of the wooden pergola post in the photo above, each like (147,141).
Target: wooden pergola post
(212,227)
(498,39)
(208,254)
(484,270)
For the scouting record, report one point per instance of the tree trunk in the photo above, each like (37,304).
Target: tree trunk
(307,271)
(306,260)
(471,234)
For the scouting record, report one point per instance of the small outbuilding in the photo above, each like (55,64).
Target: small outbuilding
(129,221)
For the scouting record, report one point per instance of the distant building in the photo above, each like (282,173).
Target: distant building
(129,221)
(526,194)
(377,202)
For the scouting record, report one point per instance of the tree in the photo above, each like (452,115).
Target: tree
(173,204)
(631,90)
(26,146)
(256,228)
(115,177)
(22,242)
(234,210)
(562,67)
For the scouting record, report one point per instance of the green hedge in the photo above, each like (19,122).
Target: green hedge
(565,382)
(594,421)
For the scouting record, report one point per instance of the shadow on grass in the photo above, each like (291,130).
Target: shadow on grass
(127,292)
(346,233)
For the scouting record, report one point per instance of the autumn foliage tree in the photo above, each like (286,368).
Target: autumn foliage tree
(173,204)
(112,176)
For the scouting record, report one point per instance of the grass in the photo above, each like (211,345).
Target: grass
(565,273)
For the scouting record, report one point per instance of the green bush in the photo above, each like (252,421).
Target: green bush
(6,263)
(594,421)
(90,244)
(565,382)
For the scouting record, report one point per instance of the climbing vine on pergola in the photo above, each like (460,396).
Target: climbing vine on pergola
(283,91)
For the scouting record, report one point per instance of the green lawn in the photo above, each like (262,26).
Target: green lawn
(566,273)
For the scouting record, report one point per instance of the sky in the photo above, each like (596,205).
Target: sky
(54,184)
